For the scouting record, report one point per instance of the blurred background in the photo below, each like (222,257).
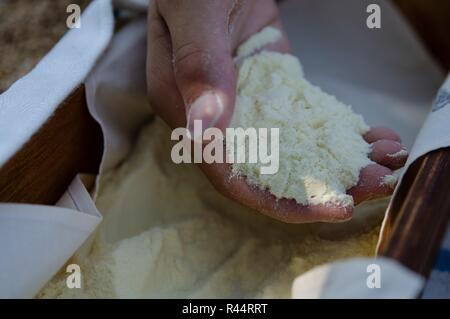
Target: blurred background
(28,30)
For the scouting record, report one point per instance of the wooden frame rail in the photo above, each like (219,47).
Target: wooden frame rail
(71,142)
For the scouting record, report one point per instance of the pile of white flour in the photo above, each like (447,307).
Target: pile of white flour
(168,233)
(321,146)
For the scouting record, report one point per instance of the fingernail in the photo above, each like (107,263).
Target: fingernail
(207,108)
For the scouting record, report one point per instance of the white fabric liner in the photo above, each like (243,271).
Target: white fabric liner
(327,281)
(34,98)
(385,74)
(36,240)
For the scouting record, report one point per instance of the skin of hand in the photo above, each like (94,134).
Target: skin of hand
(191,76)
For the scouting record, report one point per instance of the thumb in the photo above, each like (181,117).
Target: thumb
(203,65)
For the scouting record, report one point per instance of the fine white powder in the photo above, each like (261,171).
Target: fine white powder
(321,146)
(392,180)
(257,41)
(167,233)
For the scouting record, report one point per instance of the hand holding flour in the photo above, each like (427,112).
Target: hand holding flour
(191,76)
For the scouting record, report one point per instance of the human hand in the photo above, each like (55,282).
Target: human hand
(191,76)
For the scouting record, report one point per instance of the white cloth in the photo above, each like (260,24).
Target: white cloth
(435,133)
(36,240)
(116,92)
(34,98)
(358,278)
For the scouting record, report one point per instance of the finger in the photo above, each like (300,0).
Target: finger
(161,86)
(371,184)
(381,133)
(285,210)
(388,153)
(203,66)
